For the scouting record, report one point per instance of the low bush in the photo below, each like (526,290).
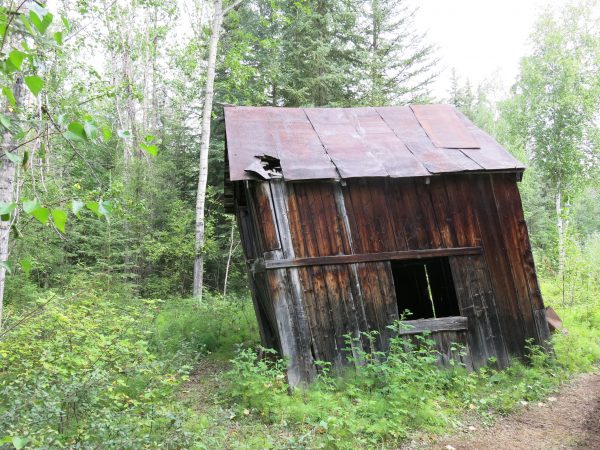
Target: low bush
(395,394)
(79,372)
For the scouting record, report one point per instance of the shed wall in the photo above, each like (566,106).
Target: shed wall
(497,290)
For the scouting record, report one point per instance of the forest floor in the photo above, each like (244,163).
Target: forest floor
(568,420)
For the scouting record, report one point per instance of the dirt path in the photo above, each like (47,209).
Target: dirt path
(570,420)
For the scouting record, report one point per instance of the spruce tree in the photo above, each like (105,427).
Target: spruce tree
(398,63)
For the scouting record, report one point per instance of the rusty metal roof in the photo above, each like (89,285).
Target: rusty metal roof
(334,143)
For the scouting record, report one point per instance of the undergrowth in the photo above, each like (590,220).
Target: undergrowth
(393,395)
(389,396)
(79,371)
(93,370)
(214,326)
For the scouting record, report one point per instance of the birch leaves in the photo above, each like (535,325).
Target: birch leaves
(43,214)
(33,29)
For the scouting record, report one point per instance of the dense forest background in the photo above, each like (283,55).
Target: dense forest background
(101,133)
(118,124)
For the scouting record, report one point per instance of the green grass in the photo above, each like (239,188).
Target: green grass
(93,368)
(214,326)
(399,394)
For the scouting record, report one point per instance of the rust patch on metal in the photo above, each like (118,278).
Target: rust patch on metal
(554,322)
(334,143)
(443,126)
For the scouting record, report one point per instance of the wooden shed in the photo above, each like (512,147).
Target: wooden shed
(349,217)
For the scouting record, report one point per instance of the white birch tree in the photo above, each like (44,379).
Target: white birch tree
(216,25)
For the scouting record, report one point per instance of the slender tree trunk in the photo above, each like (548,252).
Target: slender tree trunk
(560,227)
(204,145)
(375,11)
(8,169)
(228,259)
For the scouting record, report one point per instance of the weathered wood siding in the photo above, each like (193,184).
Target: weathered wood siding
(320,305)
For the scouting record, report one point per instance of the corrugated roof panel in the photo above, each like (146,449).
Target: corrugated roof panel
(344,144)
(246,137)
(301,153)
(283,133)
(407,128)
(442,162)
(329,143)
(443,126)
(383,142)
(492,155)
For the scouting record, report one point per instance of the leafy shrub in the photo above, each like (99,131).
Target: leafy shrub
(79,372)
(381,401)
(389,395)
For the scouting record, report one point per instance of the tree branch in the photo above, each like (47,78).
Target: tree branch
(230,7)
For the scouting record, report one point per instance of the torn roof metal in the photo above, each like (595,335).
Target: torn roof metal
(334,143)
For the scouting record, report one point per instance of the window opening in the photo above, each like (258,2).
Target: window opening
(425,288)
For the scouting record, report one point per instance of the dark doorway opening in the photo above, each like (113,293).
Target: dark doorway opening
(425,288)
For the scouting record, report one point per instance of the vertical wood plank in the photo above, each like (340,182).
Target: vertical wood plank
(506,199)
(443,213)
(514,325)
(355,299)
(287,296)
(477,303)
(510,210)
(541,323)
(425,206)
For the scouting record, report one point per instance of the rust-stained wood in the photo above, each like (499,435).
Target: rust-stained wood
(506,209)
(380,305)
(515,326)
(463,213)
(370,257)
(330,294)
(455,323)
(352,283)
(510,211)
(262,209)
(442,208)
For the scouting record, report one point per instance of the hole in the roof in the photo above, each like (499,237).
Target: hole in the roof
(265,167)
(270,163)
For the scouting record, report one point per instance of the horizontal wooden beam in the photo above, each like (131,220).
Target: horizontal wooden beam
(270,264)
(453,323)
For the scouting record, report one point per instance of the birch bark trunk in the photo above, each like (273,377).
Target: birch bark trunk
(217,22)
(560,226)
(204,145)
(7,167)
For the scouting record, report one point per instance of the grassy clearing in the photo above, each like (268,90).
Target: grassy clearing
(93,370)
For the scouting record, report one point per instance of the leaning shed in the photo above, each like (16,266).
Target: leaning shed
(348,217)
